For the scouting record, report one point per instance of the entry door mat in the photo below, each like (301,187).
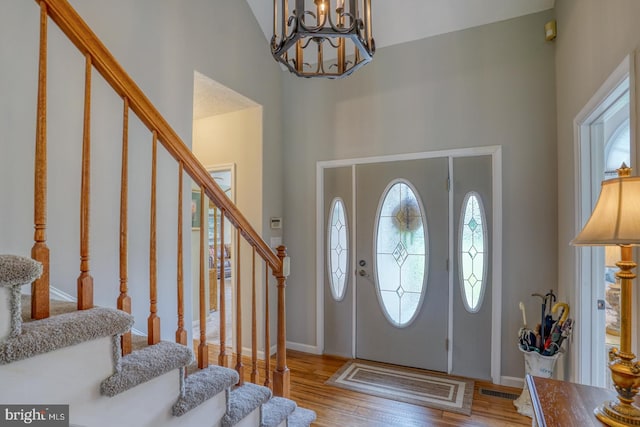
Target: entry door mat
(425,388)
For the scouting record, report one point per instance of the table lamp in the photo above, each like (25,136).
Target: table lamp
(615,220)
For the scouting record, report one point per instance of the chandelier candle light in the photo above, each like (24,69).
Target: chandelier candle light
(322,38)
(615,220)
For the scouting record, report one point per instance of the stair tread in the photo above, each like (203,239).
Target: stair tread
(301,417)
(242,400)
(56,307)
(202,386)
(64,330)
(276,410)
(17,270)
(146,364)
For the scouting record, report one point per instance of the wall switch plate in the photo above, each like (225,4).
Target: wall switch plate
(276,223)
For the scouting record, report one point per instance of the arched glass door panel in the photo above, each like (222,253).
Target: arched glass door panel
(401,253)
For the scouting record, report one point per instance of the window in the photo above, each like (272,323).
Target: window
(472,262)
(401,246)
(338,246)
(617,150)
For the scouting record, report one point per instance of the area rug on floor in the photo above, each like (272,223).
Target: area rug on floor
(408,385)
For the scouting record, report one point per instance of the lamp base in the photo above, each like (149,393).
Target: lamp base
(617,414)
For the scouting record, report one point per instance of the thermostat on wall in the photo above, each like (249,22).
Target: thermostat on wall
(276,222)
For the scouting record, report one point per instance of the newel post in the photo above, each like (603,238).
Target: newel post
(281,380)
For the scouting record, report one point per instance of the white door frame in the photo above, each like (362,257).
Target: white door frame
(495,151)
(587,269)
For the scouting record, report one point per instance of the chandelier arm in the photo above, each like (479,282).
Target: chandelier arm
(335,46)
(343,30)
(312,28)
(304,45)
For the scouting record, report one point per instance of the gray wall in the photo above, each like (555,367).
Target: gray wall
(490,85)
(160,43)
(593,39)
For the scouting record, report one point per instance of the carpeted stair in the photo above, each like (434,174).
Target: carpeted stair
(203,385)
(64,330)
(301,417)
(243,400)
(276,410)
(22,338)
(143,365)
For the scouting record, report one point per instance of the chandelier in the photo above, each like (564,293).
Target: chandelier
(322,38)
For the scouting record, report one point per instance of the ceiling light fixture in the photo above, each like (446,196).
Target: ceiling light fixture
(330,39)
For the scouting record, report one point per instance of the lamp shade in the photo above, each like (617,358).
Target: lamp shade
(615,220)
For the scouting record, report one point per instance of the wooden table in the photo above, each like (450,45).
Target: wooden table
(561,403)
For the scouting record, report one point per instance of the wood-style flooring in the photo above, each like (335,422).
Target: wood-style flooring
(337,407)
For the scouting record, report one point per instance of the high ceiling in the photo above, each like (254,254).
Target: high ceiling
(399,21)
(394,22)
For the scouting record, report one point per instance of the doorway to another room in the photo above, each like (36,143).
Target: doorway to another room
(603,142)
(227,139)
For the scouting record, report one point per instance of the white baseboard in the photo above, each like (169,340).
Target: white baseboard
(306,348)
(246,351)
(512,382)
(56,293)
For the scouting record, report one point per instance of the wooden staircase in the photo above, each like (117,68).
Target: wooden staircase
(161,136)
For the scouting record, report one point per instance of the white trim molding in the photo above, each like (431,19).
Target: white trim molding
(305,348)
(584,359)
(495,151)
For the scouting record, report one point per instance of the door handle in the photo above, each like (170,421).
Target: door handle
(362,273)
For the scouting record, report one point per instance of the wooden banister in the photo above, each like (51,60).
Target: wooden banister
(203,350)
(281,379)
(181,333)
(153,322)
(222,356)
(254,326)
(85,281)
(124,300)
(99,59)
(61,12)
(40,250)
(238,337)
(267,331)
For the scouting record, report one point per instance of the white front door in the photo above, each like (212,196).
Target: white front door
(402,246)
(417,245)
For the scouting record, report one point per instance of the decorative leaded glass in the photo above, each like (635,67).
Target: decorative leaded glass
(401,250)
(338,248)
(472,262)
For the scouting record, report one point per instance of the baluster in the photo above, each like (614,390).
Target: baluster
(181,333)
(281,374)
(254,326)
(153,322)
(222,357)
(238,337)
(267,329)
(85,281)
(124,300)
(40,250)
(216,252)
(203,353)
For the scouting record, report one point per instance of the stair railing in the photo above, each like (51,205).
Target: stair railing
(98,58)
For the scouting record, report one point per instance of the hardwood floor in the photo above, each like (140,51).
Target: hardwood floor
(337,407)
